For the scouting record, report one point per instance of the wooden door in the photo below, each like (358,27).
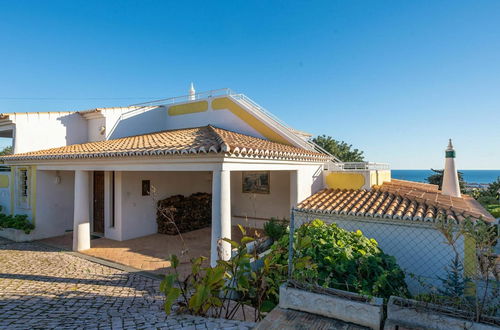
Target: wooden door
(99,202)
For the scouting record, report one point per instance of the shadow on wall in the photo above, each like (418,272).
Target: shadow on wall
(76,128)
(137,122)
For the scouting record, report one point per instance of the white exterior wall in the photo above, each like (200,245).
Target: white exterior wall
(54,212)
(418,249)
(219,118)
(94,129)
(259,207)
(310,181)
(38,131)
(138,217)
(121,122)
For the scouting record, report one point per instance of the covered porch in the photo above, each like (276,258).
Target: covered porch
(106,213)
(110,188)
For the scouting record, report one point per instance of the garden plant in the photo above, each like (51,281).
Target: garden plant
(342,260)
(18,221)
(324,255)
(476,292)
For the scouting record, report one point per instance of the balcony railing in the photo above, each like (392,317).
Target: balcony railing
(186,98)
(357,166)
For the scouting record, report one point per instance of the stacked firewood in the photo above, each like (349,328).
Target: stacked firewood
(187,213)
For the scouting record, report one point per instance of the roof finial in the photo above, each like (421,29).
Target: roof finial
(451,186)
(450,145)
(192,92)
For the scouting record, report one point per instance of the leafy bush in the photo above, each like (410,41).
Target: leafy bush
(225,290)
(18,221)
(486,200)
(219,291)
(494,209)
(324,255)
(343,260)
(275,229)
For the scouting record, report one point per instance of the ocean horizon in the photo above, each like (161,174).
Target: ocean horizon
(470,176)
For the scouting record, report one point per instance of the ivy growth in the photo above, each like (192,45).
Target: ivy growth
(343,260)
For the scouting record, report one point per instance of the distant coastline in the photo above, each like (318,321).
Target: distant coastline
(470,176)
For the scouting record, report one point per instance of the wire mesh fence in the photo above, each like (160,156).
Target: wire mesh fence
(446,264)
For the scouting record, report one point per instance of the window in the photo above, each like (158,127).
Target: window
(146,187)
(23,179)
(23,187)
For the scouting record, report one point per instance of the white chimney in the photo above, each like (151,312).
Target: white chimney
(450,186)
(192,93)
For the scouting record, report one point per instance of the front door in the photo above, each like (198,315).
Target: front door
(99,202)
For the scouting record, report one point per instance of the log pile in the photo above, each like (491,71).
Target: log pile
(188,213)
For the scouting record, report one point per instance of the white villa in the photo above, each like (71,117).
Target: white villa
(84,171)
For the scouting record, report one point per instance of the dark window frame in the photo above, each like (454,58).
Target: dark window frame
(146,187)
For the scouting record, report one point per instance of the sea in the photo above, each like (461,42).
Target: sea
(470,176)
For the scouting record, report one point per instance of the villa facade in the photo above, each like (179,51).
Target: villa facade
(85,171)
(101,171)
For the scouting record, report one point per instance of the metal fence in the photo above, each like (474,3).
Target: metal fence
(447,264)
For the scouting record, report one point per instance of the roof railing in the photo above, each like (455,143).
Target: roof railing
(252,104)
(359,166)
(186,98)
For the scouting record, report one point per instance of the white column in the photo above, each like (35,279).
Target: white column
(81,219)
(294,188)
(221,215)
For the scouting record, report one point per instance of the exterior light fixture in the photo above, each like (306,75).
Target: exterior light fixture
(57,179)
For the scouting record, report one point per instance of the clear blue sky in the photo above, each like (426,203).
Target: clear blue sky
(394,78)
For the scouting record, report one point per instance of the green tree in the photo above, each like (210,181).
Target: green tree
(437,179)
(494,188)
(6,151)
(339,149)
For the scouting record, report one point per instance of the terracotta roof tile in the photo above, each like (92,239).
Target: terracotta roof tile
(181,141)
(400,204)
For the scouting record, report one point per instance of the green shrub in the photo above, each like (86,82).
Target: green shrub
(487,200)
(344,260)
(18,221)
(223,290)
(275,229)
(494,209)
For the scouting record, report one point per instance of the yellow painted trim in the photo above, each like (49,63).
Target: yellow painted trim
(470,264)
(4,181)
(13,170)
(223,103)
(33,193)
(373,178)
(187,108)
(338,180)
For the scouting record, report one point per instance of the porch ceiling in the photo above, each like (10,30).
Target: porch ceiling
(199,140)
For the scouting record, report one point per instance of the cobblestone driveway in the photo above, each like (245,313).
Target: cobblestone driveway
(42,287)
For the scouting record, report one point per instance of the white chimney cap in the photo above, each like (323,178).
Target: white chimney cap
(192,92)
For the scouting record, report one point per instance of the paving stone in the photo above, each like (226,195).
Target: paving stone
(43,288)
